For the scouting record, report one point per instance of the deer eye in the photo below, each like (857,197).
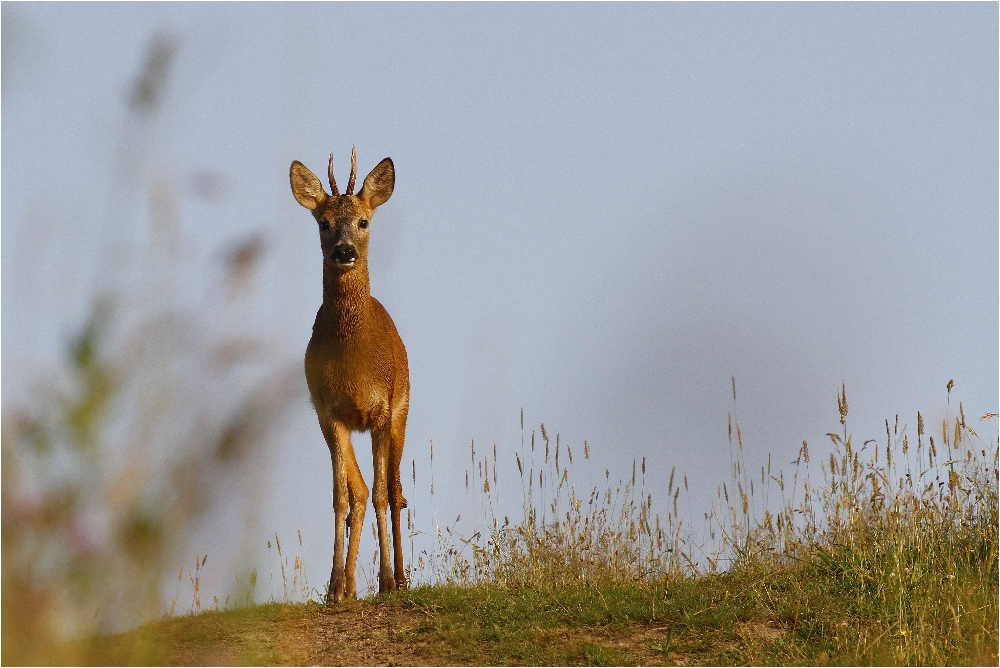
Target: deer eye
(363,224)
(324,226)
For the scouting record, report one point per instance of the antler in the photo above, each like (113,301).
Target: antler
(354,172)
(333,181)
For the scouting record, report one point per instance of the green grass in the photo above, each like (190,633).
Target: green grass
(792,616)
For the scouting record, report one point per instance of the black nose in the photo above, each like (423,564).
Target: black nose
(344,254)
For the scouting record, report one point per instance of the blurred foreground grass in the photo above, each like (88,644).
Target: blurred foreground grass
(158,408)
(105,473)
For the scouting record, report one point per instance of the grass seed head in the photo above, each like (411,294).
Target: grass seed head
(842,403)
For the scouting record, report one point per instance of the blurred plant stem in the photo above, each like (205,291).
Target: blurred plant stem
(157,409)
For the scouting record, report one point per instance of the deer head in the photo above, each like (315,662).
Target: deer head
(343,219)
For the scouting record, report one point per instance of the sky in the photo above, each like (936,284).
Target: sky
(602,214)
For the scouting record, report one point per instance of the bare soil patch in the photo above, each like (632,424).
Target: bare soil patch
(350,634)
(372,633)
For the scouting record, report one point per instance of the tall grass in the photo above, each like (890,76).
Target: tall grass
(569,532)
(884,552)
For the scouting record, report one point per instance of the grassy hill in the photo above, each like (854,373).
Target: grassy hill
(794,616)
(888,554)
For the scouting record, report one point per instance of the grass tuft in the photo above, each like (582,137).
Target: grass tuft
(885,554)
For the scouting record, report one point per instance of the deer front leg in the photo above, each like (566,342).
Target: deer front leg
(358,497)
(338,583)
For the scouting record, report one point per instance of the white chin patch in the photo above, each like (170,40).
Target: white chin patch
(345,265)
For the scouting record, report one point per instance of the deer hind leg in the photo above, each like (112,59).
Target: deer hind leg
(380,499)
(396,499)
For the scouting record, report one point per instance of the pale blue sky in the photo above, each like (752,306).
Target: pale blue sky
(602,211)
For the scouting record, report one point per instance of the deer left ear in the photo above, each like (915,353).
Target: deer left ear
(378,184)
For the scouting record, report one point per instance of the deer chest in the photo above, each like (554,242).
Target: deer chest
(344,387)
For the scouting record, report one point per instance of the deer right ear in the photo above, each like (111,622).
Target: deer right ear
(378,184)
(306,187)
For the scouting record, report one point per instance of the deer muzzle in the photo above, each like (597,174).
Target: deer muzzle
(344,255)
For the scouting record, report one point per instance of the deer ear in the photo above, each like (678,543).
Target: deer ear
(306,187)
(378,184)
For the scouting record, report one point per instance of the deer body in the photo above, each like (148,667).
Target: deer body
(357,373)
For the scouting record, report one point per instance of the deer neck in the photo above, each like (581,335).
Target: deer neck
(346,301)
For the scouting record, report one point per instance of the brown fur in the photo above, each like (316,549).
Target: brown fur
(357,373)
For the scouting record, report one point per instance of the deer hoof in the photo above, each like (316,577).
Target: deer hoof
(336,592)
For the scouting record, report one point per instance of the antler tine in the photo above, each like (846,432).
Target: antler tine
(333,181)
(354,172)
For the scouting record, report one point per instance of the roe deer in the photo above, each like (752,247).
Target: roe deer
(356,370)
